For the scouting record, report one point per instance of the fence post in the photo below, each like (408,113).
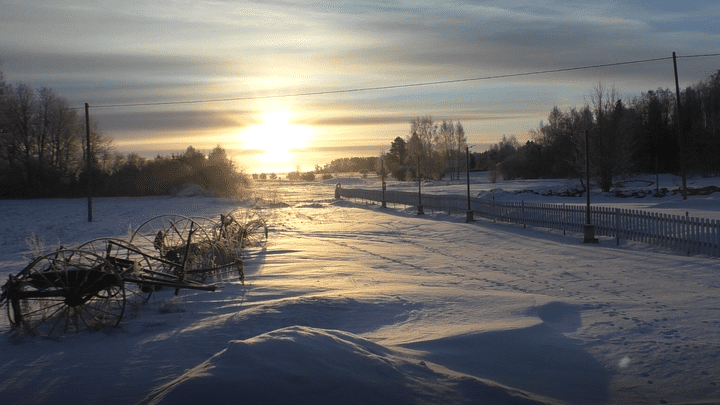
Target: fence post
(617,226)
(686,232)
(715,238)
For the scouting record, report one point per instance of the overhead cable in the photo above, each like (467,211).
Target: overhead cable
(399,86)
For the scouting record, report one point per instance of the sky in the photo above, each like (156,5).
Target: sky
(282,85)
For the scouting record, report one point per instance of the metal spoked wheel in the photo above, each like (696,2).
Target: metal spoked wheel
(228,259)
(248,228)
(129,261)
(180,244)
(209,225)
(64,292)
(256,234)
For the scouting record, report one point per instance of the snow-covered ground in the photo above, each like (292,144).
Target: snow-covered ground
(352,303)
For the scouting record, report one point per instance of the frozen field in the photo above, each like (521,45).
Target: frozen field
(352,303)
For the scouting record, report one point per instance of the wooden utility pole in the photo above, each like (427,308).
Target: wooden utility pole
(88,167)
(469,214)
(678,128)
(587,176)
(382,173)
(420,210)
(588,229)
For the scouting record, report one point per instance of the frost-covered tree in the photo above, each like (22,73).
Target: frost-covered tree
(460,144)
(423,144)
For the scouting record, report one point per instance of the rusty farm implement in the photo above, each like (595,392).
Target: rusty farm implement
(87,288)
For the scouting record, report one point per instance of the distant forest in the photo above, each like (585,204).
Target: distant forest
(43,154)
(635,135)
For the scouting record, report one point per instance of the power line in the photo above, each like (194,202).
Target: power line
(400,86)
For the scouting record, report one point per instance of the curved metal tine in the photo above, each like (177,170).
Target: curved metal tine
(121,254)
(172,226)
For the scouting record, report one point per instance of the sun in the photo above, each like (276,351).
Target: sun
(276,136)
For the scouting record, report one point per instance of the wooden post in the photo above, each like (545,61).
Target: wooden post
(382,173)
(587,177)
(469,214)
(617,226)
(678,128)
(588,229)
(88,167)
(420,210)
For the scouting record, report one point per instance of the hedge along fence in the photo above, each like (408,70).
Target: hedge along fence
(683,233)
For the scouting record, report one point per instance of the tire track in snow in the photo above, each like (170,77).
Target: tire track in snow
(467,267)
(331,237)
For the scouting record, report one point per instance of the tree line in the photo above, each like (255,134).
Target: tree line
(43,152)
(132,175)
(640,134)
(349,165)
(431,151)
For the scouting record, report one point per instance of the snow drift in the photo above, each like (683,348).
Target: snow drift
(304,365)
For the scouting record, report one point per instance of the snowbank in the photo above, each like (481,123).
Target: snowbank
(304,365)
(194,190)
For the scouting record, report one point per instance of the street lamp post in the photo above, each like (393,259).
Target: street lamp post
(382,173)
(420,210)
(469,214)
(588,229)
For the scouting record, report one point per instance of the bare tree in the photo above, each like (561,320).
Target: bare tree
(423,144)
(19,112)
(446,141)
(460,143)
(610,143)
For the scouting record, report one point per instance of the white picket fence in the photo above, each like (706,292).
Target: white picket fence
(683,233)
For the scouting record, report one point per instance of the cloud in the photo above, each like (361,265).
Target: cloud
(82,64)
(365,120)
(101,78)
(185,120)
(452,42)
(127,53)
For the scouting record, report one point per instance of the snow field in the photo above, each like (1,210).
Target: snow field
(351,303)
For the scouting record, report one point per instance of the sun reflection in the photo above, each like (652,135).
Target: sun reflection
(276,136)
